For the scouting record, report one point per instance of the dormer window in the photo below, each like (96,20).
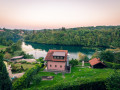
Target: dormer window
(58,55)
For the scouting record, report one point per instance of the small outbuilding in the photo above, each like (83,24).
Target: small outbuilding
(96,63)
(16,58)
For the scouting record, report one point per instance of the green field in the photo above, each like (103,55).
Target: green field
(25,66)
(78,73)
(2,47)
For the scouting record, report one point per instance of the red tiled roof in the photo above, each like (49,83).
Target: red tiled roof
(49,56)
(95,61)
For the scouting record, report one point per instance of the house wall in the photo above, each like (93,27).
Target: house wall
(51,65)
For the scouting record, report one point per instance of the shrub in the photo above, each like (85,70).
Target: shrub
(107,56)
(113,82)
(5,83)
(73,62)
(112,65)
(86,84)
(25,80)
(23,61)
(82,57)
(36,79)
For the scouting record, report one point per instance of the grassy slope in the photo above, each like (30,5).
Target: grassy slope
(25,66)
(77,73)
(2,47)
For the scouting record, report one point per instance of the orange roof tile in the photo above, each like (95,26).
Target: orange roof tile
(49,56)
(95,61)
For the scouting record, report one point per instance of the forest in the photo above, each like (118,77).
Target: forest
(9,36)
(99,36)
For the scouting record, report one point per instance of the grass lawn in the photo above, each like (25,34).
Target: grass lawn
(85,64)
(2,47)
(77,73)
(25,66)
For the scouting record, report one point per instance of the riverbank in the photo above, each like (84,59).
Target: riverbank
(40,50)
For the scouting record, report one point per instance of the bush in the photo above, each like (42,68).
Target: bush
(113,82)
(25,80)
(107,56)
(73,62)
(112,65)
(82,57)
(86,84)
(23,61)
(36,79)
(5,82)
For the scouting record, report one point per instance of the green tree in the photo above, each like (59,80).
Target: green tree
(5,83)
(113,81)
(82,57)
(107,56)
(73,62)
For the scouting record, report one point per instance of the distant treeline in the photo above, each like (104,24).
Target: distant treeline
(101,36)
(8,36)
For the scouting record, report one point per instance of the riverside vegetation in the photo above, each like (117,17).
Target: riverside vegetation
(100,36)
(80,77)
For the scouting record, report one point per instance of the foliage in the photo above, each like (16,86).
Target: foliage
(113,81)
(41,61)
(36,79)
(107,56)
(79,79)
(7,55)
(23,61)
(18,68)
(5,83)
(27,56)
(7,37)
(73,62)
(112,65)
(100,36)
(25,80)
(82,57)
(14,47)
(96,55)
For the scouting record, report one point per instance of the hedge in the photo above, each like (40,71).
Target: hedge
(87,84)
(25,80)
(112,65)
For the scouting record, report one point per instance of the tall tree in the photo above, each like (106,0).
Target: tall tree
(5,83)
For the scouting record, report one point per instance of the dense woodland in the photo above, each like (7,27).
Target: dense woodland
(9,36)
(100,36)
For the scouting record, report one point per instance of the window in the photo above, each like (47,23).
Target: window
(60,66)
(57,57)
(50,65)
(55,65)
(54,57)
(61,57)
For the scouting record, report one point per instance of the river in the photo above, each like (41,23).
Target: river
(40,50)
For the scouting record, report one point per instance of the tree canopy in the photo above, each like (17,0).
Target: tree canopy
(100,36)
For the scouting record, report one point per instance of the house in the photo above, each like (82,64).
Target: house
(96,63)
(57,60)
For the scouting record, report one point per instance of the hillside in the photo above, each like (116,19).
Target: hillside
(104,36)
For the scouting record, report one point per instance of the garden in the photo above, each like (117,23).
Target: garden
(79,76)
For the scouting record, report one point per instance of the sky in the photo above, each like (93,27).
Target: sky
(44,14)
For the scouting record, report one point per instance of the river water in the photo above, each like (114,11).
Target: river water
(40,50)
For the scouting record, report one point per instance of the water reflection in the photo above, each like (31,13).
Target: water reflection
(40,50)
